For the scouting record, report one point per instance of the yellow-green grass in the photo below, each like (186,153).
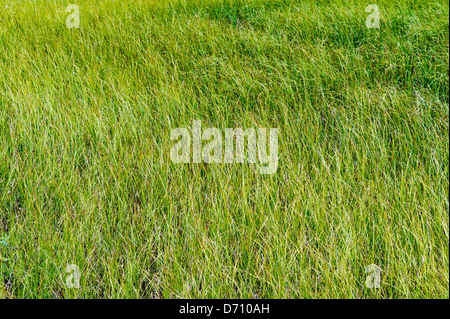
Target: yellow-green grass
(86,177)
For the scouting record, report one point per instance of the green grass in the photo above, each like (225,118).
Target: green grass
(86,177)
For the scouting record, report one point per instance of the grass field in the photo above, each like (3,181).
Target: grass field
(86,177)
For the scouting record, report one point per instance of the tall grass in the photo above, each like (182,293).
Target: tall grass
(86,177)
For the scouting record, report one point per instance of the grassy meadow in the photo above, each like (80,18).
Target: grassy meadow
(86,176)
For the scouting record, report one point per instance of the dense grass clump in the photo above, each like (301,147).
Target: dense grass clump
(86,177)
